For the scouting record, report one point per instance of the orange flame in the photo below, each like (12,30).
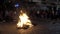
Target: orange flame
(24,20)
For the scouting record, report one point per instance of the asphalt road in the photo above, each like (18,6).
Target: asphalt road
(41,27)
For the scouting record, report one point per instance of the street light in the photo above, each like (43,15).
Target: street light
(17,5)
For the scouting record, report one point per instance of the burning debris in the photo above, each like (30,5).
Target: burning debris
(24,21)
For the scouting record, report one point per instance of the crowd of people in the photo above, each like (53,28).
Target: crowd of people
(6,16)
(46,14)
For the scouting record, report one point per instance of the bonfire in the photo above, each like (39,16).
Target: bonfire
(24,20)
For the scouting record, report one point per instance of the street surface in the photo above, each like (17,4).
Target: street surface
(41,27)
